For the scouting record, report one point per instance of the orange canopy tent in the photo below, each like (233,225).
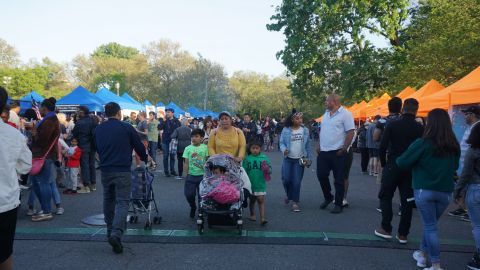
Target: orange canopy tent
(430,88)
(406,92)
(375,108)
(464,91)
(356,112)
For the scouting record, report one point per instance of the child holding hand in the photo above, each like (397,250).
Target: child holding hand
(258,168)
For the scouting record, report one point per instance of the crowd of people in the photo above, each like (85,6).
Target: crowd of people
(48,151)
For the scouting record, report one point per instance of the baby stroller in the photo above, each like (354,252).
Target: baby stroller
(221,194)
(142,198)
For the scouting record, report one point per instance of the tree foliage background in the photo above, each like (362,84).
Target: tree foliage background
(161,71)
(328,47)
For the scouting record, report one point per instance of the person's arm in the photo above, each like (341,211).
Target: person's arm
(283,143)
(307,142)
(211,143)
(384,142)
(411,156)
(137,144)
(348,141)
(174,134)
(186,166)
(24,161)
(467,172)
(242,145)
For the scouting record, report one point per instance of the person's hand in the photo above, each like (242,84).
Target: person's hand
(238,159)
(341,152)
(286,152)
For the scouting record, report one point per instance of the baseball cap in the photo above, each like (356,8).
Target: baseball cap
(224,113)
(170,110)
(472,109)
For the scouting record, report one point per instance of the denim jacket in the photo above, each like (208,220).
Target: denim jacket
(285,139)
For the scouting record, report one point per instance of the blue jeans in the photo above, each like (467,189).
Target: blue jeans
(330,161)
(473,205)
(166,157)
(292,174)
(431,205)
(55,195)
(42,185)
(116,197)
(152,150)
(192,184)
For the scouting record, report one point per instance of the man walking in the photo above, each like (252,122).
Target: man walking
(115,141)
(83,132)
(248,127)
(168,126)
(336,134)
(396,138)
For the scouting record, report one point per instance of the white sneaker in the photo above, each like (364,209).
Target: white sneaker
(178,178)
(344,203)
(60,211)
(32,212)
(420,258)
(84,190)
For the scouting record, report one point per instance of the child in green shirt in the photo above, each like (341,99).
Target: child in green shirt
(194,158)
(258,168)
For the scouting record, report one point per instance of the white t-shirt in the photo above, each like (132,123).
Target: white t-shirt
(334,129)
(296,144)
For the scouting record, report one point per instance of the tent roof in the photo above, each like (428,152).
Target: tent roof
(128,97)
(160,104)
(430,88)
(461,92)
(405,92)
(195,112)
(177,110)
(28,97)
(81,96)
(361,106)
(147,103)
(376,107)
(107,96)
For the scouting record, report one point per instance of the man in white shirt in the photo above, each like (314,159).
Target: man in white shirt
(336,135)
(15,158)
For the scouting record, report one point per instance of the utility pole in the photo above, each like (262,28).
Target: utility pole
(206,93)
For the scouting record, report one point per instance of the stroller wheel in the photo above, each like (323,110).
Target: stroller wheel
(148,226)
(200,229)
(157,220)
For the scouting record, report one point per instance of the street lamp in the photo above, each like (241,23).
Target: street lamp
(117,86)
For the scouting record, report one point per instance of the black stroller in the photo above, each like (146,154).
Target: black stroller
(221,170)
(142,198)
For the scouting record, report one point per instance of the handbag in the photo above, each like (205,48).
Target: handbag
(38,162)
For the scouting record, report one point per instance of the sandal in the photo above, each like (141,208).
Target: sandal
(295,208)
(264,222)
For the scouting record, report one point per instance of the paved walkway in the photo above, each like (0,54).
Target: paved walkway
(290,240)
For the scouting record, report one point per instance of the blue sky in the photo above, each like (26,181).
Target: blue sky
(230,32)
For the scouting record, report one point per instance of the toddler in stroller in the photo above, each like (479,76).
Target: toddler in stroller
(221,193)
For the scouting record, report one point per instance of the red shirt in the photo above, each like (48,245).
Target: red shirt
(74,160)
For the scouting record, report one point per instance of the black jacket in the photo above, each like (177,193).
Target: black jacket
(83,132)
(397,137)
(249,136)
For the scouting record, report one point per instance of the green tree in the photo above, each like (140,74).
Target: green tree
(115,50)
(443,41)
(326,49)
(9,56)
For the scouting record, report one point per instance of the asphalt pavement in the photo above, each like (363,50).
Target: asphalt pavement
(311,239)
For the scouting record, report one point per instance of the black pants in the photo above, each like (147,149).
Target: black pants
(180,163)
(393,178)
(364,158)
(87,167)
(191,189)
(8,223)
(330,161)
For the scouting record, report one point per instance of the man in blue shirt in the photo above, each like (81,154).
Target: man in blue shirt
(115,141)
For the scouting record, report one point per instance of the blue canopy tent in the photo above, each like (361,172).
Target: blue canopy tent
(106,96)
(160,104)
(80,97)
(26,101)
(147,103)
(195,112)
(128,97)
(177,110)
